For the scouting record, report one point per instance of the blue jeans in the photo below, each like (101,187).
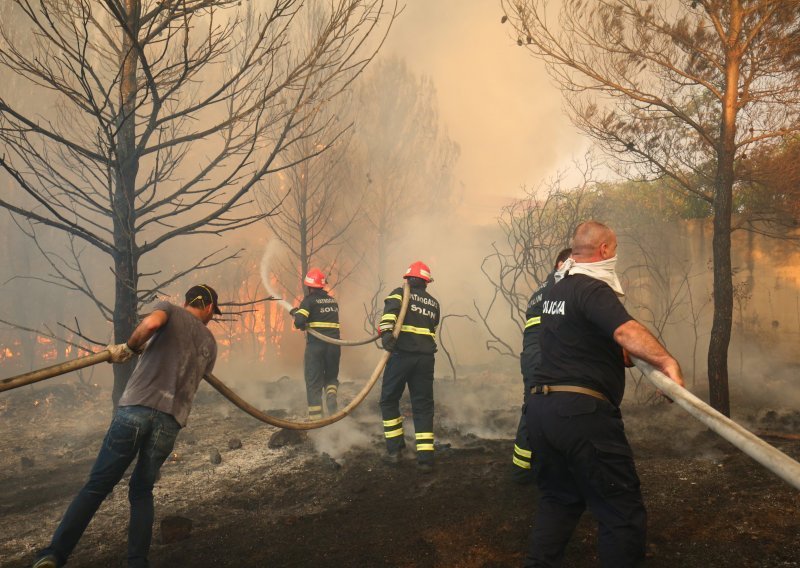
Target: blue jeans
(134,430)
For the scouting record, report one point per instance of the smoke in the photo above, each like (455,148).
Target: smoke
(485,404)
(274,386)
(507,95)
(272,248)
(341,437)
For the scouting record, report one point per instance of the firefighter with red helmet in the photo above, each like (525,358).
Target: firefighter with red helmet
(411,363)
(320,312)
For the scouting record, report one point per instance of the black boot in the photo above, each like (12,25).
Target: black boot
(330,403)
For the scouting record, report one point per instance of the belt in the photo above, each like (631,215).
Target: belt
(547,389)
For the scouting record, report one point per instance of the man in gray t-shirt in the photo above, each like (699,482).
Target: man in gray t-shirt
(168,373)
(177,350)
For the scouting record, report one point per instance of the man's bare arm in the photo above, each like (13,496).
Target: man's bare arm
(637,340)
(145,330)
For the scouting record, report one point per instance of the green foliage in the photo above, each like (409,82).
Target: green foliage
(647,200)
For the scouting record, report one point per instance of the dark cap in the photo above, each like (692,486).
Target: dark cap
(201,295)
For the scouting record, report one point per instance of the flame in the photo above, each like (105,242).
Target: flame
(42,348)
(262,328)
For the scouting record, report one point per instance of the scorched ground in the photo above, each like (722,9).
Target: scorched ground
(326,500)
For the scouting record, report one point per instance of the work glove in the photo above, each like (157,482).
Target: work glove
(120,352)
(388,341)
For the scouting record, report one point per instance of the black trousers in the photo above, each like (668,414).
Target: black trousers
(583,460)
(321,367)
(415,370)
(522,456)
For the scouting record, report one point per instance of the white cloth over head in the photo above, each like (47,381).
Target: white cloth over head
(603,270)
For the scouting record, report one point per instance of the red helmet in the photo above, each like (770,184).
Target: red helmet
(315,279)
(419,270)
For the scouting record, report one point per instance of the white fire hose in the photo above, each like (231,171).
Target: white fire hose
(770,457)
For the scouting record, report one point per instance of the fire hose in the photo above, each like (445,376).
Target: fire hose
(222,388)
(343,342)
(770,457)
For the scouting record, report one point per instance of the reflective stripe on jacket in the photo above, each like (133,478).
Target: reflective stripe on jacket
(319,311)
(418,334)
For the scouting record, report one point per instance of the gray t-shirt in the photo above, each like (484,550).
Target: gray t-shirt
(169,371)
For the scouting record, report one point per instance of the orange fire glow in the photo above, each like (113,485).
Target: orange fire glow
(261,328)
(15,352)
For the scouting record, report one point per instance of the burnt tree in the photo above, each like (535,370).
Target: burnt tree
(154,120)
(316,202)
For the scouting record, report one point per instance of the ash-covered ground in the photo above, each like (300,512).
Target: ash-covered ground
(326,499)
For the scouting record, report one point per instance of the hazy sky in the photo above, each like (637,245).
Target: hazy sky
(495,100)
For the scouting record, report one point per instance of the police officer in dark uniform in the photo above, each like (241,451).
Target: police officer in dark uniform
(411,363)
(320,312)
(529,360)
(582,458)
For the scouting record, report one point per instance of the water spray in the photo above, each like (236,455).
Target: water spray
(269,251)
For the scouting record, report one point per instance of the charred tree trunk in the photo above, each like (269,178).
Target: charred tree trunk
(304,260)
(719,395)
(305,227)
(126,255)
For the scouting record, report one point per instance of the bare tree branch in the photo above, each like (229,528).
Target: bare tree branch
(154,121)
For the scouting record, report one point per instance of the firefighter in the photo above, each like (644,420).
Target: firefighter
(320,312)
(529,359)
(411,363)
